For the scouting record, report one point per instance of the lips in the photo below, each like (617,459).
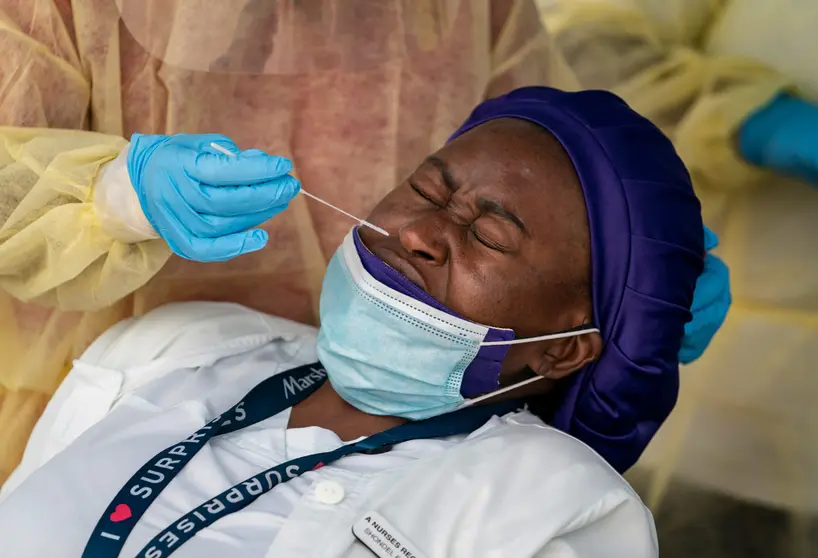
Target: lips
(401,265)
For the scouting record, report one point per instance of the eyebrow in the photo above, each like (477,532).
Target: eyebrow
(484,205)
(491,206)
(448,180)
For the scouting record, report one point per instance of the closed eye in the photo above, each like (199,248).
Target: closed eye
(487,243)
(423,195)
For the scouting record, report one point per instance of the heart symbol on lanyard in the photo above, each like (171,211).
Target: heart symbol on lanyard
(121,513)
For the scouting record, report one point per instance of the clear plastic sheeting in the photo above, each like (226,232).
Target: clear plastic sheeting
(353,133)
(746,425)
(287,37)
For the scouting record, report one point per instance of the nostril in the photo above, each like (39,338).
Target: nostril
(424,255)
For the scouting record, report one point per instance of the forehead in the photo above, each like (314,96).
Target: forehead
(518,163)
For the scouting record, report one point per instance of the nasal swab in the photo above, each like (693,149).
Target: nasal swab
(364,222)
(350,215)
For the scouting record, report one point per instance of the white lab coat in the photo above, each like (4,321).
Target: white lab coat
(514,488)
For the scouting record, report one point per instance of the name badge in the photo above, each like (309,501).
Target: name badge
(379,536)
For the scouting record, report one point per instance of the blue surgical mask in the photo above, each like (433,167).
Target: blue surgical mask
(389,353)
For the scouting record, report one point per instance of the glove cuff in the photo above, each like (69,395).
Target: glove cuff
(117,205)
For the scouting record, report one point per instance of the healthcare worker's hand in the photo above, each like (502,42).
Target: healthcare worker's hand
(711,301)
(783,136)
(203,202)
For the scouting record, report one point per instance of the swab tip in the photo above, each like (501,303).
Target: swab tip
(374,227)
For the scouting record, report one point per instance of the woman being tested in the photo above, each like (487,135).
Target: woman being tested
(563,221)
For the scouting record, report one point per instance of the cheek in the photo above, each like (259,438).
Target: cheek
(485,293)
(500,294)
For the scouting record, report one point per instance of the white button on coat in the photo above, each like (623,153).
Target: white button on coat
(329,492)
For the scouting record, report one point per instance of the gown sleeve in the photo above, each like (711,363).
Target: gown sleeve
(653,53)
(54,249)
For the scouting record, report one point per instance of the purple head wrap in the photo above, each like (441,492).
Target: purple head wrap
(647,247)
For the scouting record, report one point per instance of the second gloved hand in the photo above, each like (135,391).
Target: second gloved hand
(205,203)
(783,136)
(711,302)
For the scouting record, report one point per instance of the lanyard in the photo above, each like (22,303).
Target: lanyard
(267,399)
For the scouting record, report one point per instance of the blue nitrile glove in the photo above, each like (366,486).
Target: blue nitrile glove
(783,136)
(203,202)
(711,301)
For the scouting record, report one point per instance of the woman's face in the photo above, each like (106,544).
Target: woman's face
(494,227)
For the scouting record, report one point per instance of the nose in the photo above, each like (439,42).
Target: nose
(425,239)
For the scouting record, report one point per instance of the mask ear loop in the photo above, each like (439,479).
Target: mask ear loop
(581,330)
(570,333)
(470,402)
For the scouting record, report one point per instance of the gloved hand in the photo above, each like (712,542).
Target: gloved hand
(711,301)
(783,136)
(203,202)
